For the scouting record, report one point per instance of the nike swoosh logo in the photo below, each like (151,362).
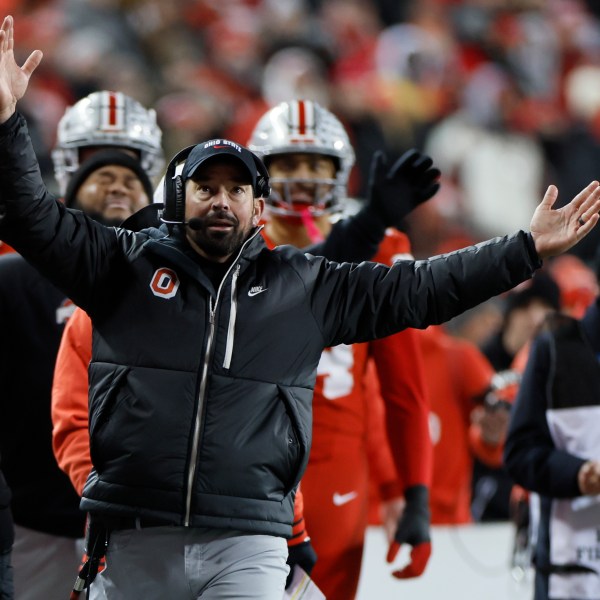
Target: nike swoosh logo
(256,292)
(340,499)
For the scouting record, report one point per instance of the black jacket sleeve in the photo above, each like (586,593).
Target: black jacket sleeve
(530,455)
(356,303)
(353,239)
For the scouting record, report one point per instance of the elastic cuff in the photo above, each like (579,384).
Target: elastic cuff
(417,493)
(370,223)
(298,539)
(535,257)
(10,123)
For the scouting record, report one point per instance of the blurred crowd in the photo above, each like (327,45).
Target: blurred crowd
(503,94)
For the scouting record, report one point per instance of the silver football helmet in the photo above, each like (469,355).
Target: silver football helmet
(304,126)
(106,119)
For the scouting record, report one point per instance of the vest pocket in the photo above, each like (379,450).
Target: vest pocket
(106,384)
(298,406)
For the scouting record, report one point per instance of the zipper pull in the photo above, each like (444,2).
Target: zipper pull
(211,311)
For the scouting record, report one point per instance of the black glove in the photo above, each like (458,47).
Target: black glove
(413,529)
(303,555)
(394,192)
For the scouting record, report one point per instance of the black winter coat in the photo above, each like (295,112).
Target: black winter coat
(200,399)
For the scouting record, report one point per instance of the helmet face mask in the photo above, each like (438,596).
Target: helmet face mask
(106,120)
(327,195)
(304,127)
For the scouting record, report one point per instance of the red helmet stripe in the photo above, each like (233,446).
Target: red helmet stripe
(112,111)
(301,118)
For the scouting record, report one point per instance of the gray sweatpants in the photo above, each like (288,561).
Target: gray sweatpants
(44,565)
(172,563)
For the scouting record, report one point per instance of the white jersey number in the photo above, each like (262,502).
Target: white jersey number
(336,366)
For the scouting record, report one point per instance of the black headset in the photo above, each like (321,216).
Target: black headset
(174,193)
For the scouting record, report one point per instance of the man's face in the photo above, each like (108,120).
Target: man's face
(110,194)
(220,201)
(302,187)
(309,179)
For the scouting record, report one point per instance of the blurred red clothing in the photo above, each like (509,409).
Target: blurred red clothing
(458,374)
(357,433)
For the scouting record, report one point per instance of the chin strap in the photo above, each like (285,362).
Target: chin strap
(309,224)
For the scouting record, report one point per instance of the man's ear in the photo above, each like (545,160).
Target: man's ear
(259,207)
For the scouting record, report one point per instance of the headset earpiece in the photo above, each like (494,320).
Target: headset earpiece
(174,194)
(262,189)
(179,198)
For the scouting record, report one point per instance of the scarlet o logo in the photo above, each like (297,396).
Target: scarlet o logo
(164,283)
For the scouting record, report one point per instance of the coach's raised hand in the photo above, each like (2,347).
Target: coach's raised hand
(554,231)
(13,79)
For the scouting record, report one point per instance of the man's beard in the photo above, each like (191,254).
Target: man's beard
(219,243)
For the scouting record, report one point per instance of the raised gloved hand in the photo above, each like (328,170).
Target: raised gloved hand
(303,555)
(394,192)
(413,529)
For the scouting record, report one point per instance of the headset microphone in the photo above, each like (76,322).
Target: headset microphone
(194,223)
